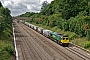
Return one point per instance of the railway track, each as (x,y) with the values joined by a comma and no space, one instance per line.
(47,43)
(49,58)
(34,46)
(18,36)
(78,52)
(67,49)
(26,47)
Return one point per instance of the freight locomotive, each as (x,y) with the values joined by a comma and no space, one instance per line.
(59,38)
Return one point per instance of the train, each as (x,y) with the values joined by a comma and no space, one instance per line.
(58,38)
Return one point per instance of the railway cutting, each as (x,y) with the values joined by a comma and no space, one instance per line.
(32,45)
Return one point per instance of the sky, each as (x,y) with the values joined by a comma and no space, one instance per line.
(18,7)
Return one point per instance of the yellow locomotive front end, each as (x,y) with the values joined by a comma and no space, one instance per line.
(65,41)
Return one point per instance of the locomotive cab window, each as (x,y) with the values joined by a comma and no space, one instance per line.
(63,38)
(66,38)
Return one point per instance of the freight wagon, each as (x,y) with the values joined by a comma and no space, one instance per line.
(59,38)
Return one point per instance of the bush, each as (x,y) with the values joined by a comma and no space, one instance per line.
(88,35)
(6,52)
(4,55)
(72,36)
(9,49)
(86,45)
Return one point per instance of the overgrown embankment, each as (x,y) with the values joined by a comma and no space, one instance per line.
(6,45)
(66,16)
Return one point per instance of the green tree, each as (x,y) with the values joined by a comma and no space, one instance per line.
(44,5)
(0,4)
(73,7)
(27,14)
(5,23)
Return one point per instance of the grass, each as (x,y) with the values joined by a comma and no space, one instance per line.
(83,42)
(80,41)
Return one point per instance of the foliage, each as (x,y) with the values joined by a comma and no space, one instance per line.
(67,15)
(27,14)
(86,45)
(44,5)
(6,52)
(0,4)
(5,23)
(72,36)
(9,49)
(6,49)
(68,8)
(4,55)
(88,35)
